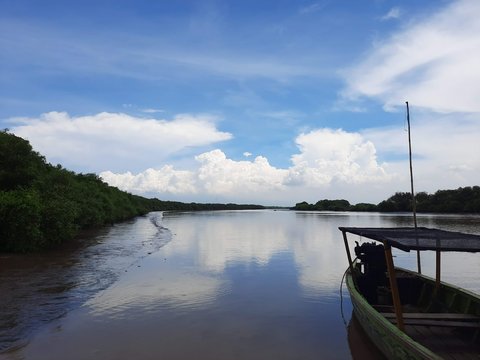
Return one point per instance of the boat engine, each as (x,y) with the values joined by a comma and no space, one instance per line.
(372,256)
(373,279)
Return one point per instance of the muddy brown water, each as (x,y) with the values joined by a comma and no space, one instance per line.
(204,285)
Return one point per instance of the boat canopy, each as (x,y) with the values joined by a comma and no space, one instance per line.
(421,238)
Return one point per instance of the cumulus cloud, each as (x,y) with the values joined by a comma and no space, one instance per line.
(220,175)
(433,62)
(326,157)
(215,175)
(330,163)
(166,179)
(115,141)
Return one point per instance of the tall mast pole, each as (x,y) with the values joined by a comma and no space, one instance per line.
(414,203)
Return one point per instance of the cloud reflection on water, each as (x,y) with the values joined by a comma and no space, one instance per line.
(260,283)
(218,240)
(191,272)
(147,291)
(223,239)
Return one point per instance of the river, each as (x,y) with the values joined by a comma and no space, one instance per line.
(205,285)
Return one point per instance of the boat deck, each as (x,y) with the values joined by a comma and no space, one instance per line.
(445,341)
(452,336)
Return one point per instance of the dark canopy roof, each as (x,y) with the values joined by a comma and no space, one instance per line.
(428,239)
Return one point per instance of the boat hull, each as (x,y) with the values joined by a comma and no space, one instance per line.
(392,342)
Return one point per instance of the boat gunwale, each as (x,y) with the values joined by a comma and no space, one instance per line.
(375,317)
(432,280)
(380,320)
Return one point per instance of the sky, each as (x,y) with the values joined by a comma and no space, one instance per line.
(265,102)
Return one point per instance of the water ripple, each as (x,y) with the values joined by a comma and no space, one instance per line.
(39,288)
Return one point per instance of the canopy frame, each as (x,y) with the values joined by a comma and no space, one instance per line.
(407,239)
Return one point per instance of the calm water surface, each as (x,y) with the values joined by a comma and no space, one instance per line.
(205,285)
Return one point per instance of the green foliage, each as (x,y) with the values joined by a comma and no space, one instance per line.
(401,201)
(179,206)
(364,207)
(334,205)
(304,206)
(20,221)
(43,205)
(19,165)
(461,200)
(58,217)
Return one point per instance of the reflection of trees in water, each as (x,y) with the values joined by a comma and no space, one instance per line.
(38,288)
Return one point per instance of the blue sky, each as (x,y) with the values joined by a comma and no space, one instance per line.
(270,102)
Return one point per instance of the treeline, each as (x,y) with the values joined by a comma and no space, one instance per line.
(334,205)
(42,205)
(461,200)
(180,206)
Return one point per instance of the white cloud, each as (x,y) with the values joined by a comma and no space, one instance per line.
(247,154)
(433,63)
(215,175)
(445,147)
(326,157)
(394,13)
(330,164)
(334,155)
(117,141)
(220,175)
(167,179)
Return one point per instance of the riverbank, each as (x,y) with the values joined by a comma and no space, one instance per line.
(38,288)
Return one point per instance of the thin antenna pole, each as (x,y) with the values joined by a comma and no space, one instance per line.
(414,203)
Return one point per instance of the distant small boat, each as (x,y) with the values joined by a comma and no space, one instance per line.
(408,315)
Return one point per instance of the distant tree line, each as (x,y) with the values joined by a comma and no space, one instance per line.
(181,206)
(334,205)
(42,205)
(461,200)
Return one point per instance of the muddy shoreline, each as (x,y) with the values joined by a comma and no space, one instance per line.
(38,288)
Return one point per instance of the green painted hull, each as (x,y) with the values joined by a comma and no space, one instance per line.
(392,342)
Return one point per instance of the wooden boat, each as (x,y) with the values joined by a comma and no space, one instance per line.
(408,315)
